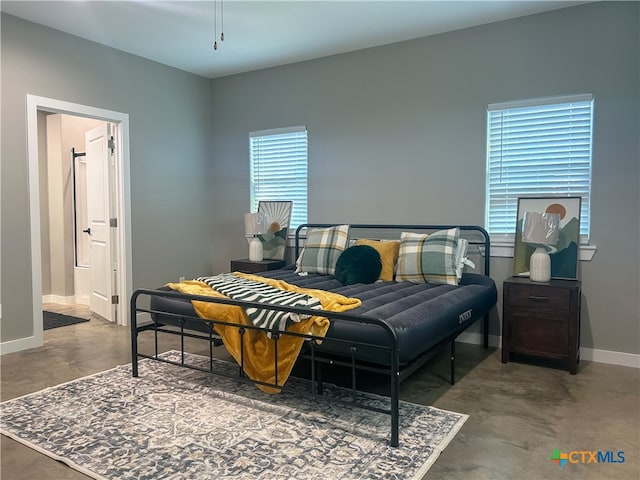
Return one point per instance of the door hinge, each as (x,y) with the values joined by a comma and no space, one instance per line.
(113,222)
(114,300)
(112,144)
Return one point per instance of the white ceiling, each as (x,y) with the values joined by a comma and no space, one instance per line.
(261,33)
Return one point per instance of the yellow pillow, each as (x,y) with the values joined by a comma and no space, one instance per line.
(388,255)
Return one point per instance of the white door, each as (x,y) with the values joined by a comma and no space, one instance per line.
(100,160)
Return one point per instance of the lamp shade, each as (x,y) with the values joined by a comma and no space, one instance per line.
(255,224)
(540,228)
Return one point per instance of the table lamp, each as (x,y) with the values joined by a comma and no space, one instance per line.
(541,231)
(255,224)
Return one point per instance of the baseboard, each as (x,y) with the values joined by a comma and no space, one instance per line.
(81,300)
(608,356)
(589,354)
(476,338)
(143,319)
(12,346)
(59,299)
(20,344)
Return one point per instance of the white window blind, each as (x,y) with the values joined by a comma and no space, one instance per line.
(537,148)
(279,169)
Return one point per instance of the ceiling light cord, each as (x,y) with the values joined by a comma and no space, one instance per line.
(215,23)
(222,20)
(215,26)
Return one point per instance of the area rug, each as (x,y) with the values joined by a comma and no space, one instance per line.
(175,423)
(54,320)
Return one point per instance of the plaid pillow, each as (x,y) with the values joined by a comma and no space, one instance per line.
(322,248)
(460,256)
(428,258)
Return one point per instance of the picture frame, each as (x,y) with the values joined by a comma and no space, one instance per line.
(564,254)
(274,243)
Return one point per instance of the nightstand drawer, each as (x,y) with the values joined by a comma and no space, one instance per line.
(539,297)
(536,334)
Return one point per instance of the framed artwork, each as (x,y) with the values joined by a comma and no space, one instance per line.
(274,242)
(564,254)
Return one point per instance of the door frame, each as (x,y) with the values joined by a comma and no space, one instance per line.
(122,190)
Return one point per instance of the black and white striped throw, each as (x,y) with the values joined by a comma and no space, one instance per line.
(238,288)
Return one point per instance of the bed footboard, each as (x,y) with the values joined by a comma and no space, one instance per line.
(175,324)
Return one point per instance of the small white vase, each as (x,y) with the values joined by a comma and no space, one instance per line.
(540,266)
(256,251)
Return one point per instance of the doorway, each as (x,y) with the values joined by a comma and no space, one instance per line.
(76,180)
(119,222)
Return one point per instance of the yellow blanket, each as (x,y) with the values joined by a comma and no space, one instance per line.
(259,351)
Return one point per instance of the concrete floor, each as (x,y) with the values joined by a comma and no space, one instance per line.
(519,412)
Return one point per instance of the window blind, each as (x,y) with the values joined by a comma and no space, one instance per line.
(537,148)
(278,162)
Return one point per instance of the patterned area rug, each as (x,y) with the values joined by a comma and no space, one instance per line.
(174,423)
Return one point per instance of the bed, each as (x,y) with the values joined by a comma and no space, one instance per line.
(401,319)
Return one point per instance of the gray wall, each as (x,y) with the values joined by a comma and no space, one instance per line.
(171,165)
(397,134)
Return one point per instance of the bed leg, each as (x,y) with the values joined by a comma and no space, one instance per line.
(313,369)
(319,378)
(181,340)
(276,337)
(453,361)
(485,332)
(155,337)
(210,347)
(395,409)
(241,366)
(316,370)
(353,373)
(134,334)
(134,349)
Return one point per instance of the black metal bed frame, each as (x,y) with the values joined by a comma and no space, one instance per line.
(174,324)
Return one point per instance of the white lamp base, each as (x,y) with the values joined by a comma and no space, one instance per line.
(540,266)
(255,249)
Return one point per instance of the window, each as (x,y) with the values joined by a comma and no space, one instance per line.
(278,161)
(537,148)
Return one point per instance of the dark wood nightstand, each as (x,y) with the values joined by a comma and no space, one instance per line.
(247,266)
(541,319)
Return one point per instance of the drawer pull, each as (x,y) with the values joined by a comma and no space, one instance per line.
(534,298)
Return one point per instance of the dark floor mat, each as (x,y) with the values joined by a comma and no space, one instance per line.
(55,320)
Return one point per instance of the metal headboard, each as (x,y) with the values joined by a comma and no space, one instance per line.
(484,243)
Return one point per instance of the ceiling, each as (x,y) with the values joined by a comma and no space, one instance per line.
(263,33)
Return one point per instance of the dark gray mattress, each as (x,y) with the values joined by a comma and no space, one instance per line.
(422,315)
